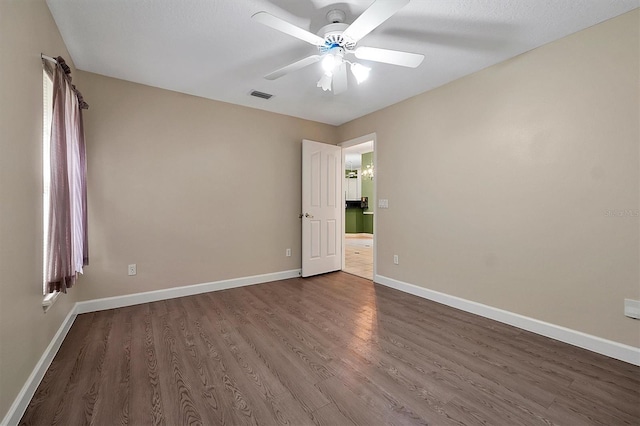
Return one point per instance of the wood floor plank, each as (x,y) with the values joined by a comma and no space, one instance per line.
(459,377)
(145,406)
(197,371)
(512,377)
(370,384)
(85,378)
(488,335)
(352,407)
(51,390)
(112,398)
(295,352)
(230,404)
(175,390)
(330,415)
(245,357)
(608,394)
(577,401)
(260,301)
(250,388)
(472,411)
(328,350)
(295,379)
(404,388)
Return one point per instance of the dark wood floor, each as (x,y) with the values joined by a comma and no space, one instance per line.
(329,350)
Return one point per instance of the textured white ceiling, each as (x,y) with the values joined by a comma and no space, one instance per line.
(212,48)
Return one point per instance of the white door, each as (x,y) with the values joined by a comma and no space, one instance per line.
(321,208)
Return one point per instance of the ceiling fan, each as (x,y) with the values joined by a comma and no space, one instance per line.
(337,40)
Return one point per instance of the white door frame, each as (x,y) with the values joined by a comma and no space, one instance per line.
(347,144)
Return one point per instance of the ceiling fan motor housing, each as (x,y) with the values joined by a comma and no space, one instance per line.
(336,16)
(332,35)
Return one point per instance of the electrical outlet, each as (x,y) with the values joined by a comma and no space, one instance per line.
(288,252)
(395,259)
(133,269)
(632,308)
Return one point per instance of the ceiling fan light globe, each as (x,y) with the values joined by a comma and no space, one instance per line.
(325,81)
(328,62)
(360,72)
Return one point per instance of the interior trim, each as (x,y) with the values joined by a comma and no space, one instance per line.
(174,292)
(596,344)
(582,340)
(20,404)
(346,144)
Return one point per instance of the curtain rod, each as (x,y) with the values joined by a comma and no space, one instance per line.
(49,58)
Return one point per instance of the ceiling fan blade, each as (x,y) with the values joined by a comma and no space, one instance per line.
(293,67)
(376,14)
(340,79)
(393,57)
(283,26)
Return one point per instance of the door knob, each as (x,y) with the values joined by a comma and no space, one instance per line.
(308,215)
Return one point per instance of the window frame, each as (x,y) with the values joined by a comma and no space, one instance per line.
(47,113)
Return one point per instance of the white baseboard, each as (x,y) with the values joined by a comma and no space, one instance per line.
(596,344)
(174,292)
(21,402)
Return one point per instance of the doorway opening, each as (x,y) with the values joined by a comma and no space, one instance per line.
(359,213)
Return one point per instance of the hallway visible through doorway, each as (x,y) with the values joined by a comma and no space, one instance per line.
(360,201)
(359,255)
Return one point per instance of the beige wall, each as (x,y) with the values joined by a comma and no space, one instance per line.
(499,183)
(26,30)
(191,190)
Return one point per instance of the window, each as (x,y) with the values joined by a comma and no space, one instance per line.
(47,109)
(64,180)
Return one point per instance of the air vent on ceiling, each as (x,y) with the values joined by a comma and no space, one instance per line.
(260,94)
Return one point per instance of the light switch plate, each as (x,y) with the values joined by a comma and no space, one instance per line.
(383,203)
